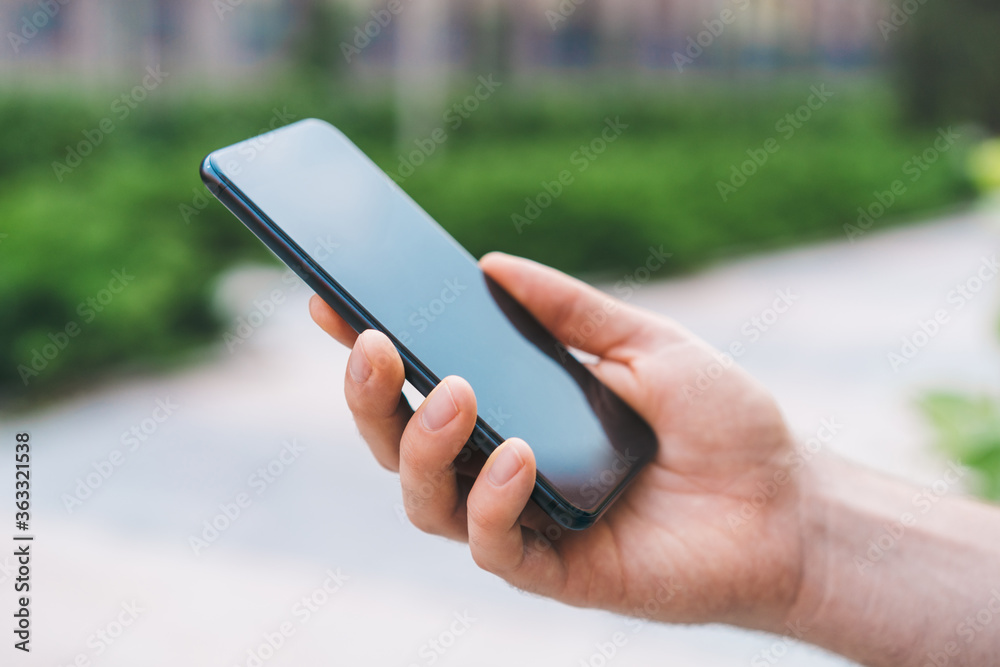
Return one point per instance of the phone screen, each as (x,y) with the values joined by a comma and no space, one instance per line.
(428,293)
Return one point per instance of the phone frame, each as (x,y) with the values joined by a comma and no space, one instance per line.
(483,436)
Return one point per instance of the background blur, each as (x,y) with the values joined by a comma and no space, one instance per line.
(840,149)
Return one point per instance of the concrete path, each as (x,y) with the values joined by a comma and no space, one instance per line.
(320,561)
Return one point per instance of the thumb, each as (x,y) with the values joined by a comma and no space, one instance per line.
(577,314)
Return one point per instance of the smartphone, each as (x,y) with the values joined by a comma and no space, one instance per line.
(381,262)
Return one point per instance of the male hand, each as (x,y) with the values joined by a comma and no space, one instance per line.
(668,548)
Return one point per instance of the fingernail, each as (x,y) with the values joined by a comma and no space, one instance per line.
(358,364)
(507,464)
(439,409)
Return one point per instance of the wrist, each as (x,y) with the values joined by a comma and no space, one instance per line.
(818,505)
(866,554)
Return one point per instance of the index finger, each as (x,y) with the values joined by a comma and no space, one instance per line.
(330,322)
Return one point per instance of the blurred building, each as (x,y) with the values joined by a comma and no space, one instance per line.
(226,40)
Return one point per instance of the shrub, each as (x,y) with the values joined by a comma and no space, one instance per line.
(136,203)
(968,429)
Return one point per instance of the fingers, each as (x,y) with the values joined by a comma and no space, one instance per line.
(434,437)
(575,313)
(423,446)
(496,538)
(373,386)
(330,322)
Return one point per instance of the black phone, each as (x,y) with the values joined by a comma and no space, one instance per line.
(380,261)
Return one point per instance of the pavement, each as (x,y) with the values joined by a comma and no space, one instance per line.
(307,557)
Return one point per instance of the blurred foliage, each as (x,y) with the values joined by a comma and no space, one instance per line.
(136,202)
(984,166)
(946,56)
(658,183)
(968,429)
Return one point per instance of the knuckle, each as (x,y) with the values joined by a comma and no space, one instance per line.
(418,518)
(421,490)
(426,519)
(387,461)
(370,402)
(415,502)
(358,400)
(482,556)
(411,455)
(482,516)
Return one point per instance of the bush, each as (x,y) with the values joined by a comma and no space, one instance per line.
(659,182)
(136,203)
(968,429)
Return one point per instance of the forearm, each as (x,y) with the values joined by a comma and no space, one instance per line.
(895,574)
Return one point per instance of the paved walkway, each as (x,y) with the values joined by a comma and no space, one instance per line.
(319,560)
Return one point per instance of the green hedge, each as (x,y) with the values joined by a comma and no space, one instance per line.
(136,202)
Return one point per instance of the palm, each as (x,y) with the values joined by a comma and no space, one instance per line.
(677,526)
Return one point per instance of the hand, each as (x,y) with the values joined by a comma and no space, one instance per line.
(684,543)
